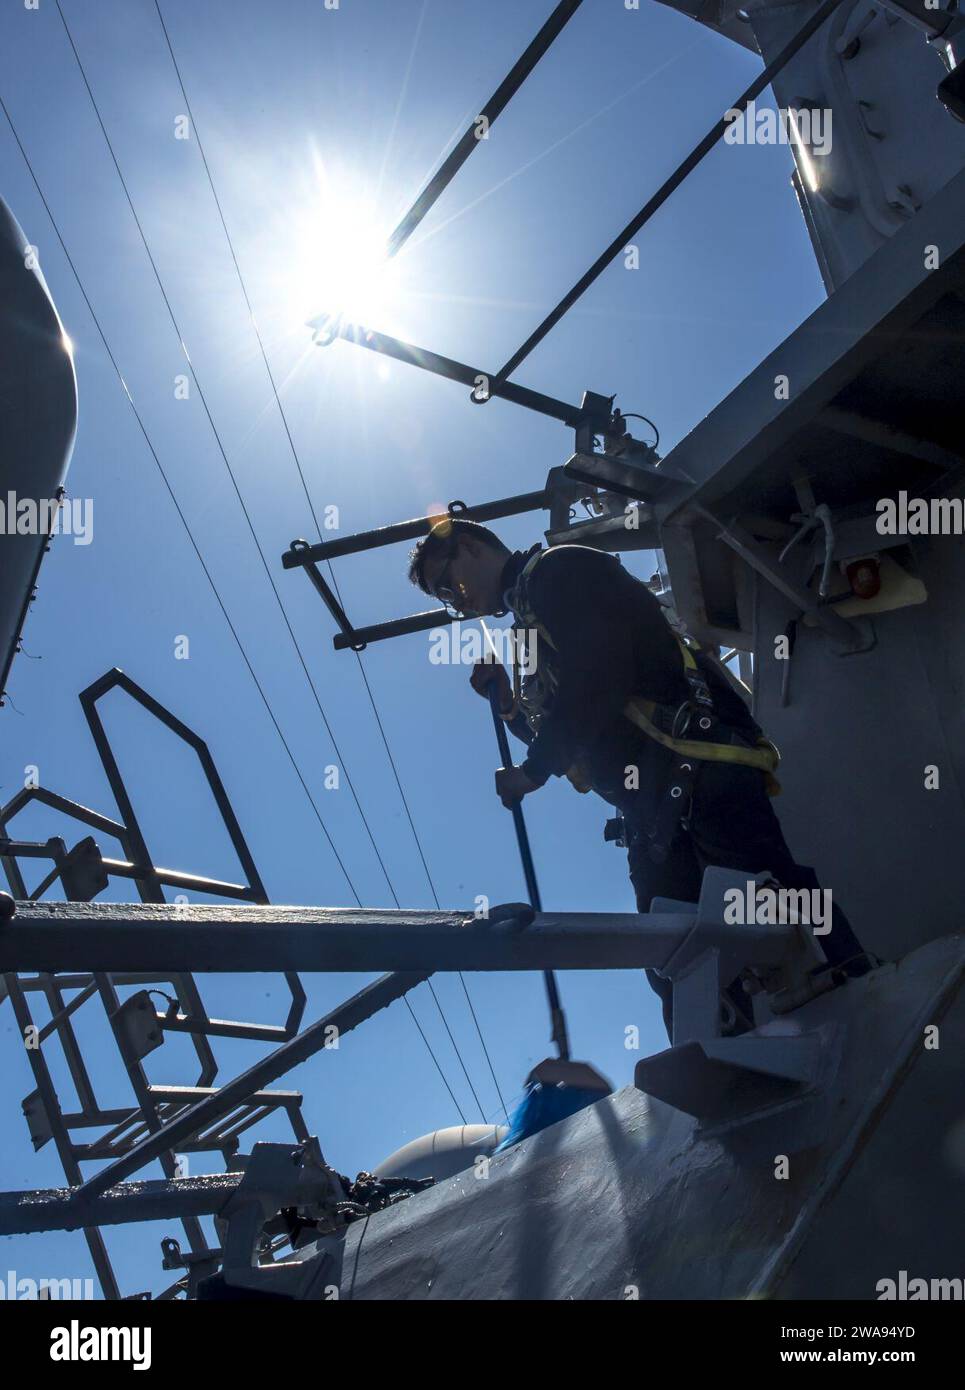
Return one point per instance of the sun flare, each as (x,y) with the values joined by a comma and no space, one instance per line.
(335,264)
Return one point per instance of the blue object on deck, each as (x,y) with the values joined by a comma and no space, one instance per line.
(554,1090)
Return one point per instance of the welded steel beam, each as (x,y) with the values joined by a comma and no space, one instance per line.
(867,319)
(302,554)
(484,383)
(60,1208)
(229,938)
(359,637)
(885,436)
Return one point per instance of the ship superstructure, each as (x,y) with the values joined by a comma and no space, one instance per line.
(810,534)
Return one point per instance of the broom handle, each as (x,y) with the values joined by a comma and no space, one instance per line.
(558,1031)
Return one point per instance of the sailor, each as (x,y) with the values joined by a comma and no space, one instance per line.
(617,703)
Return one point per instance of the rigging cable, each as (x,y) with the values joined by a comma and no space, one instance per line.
(254,536)
(221,448)
(197,551)
(164,477)
(311,507)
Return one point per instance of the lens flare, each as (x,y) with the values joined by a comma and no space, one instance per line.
(334,269)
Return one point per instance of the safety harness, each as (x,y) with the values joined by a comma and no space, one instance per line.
(693,732)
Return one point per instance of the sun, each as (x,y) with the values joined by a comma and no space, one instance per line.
(334,267)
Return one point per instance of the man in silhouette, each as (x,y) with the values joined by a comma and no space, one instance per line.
(611,700)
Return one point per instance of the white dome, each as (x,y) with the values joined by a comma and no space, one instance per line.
(442,1153)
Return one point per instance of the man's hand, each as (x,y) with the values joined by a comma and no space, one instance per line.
(512,785)
(486,674)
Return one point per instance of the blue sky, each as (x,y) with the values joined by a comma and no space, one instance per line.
(311,118)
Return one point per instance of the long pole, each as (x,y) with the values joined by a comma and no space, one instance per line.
(557,1017)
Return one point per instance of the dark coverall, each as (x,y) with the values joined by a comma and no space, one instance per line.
(610,641)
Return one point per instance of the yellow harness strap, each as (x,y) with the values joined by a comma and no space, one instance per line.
(765,756)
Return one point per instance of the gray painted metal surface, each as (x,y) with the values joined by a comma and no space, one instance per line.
(753,439)
(38,416)
(632,1197)
(865,172)
(211,938)
(857,734)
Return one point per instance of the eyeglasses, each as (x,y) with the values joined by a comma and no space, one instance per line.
(444,590)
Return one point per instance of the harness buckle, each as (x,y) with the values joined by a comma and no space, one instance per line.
(678,729)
